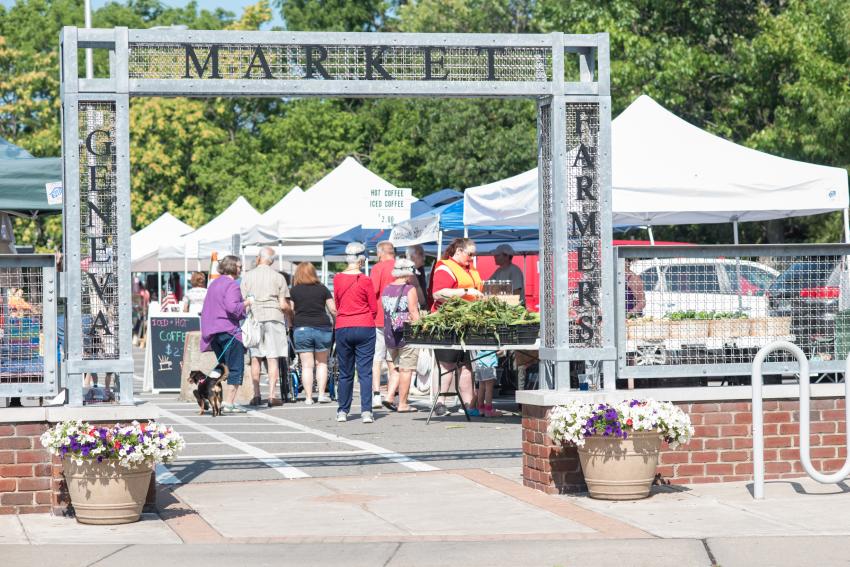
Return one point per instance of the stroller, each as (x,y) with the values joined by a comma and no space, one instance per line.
(290,374)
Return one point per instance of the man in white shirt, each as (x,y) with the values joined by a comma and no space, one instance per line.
(507,271)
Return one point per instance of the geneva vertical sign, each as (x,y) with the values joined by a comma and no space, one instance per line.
(585,237)
(99,233)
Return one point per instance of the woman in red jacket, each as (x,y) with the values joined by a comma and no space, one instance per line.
(355,332)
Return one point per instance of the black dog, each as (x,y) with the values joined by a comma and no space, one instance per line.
(208,388)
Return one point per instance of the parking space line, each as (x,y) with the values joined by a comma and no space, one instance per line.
(247,432)
(194,443)
(393,456)
(282,467)
(292,454)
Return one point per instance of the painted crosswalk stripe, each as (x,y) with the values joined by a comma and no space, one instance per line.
(286,470)
(398,458)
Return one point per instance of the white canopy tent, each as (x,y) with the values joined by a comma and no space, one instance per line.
(216,235)
(336,203)
(145,243)
(667,171)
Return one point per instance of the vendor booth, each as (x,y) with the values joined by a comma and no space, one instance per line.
(667,171)
(145,243)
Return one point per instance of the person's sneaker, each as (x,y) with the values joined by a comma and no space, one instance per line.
(473,412)
(376,400)
(233,409)
(309,401)
(366,416)
(441,410)
(324,399)
(341,416)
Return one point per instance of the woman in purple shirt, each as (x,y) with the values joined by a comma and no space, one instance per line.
(223,311)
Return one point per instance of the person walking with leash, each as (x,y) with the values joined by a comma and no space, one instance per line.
(223,311)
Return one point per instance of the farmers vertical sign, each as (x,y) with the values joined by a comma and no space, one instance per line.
(585,241)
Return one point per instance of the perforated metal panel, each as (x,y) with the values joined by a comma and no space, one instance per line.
(585,225)
(343,62)
(99,230)
(547,232)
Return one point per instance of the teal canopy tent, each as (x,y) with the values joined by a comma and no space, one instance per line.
(23,179)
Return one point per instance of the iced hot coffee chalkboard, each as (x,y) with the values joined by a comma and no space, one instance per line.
(168,337)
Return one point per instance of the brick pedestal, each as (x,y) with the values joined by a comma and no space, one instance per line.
(720,450)
(31,479)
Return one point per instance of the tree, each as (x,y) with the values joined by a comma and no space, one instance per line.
(334,15)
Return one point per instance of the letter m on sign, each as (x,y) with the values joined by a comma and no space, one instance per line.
(193,61)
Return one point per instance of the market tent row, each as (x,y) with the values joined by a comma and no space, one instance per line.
(191,250)
(666,171)
(145,243)
(334,248)
(442,224)
(336,203)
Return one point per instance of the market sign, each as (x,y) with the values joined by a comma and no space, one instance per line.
(388,206)
(295,62)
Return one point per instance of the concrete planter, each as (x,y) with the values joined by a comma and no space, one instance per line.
(620,469)
(103,494)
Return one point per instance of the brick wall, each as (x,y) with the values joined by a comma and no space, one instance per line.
(25,470)
(720,451)
(31,479)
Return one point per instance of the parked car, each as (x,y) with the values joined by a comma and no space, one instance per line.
(704,284)
(809,292)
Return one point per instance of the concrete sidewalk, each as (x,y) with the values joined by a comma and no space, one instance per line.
(468,517)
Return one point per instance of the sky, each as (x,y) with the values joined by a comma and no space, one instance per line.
(235,6)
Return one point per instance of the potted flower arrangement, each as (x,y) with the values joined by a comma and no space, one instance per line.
(618,443)
(108,469)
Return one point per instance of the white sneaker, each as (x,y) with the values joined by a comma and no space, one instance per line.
(324,399)
(309,401)
(341,416)
(376,400)
(366,416)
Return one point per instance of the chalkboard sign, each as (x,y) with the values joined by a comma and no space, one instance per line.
(167,339)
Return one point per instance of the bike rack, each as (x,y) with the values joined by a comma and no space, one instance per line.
(805,422)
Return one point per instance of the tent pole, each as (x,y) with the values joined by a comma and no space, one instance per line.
(651,236)
(439,244)
(737,266)
(324,270)
(159,281)
(185,273)
(367,263)
(846,225)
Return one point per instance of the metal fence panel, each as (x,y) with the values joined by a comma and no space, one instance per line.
(28,350)
(706,310)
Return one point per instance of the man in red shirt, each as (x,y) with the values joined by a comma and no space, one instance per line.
(382,276)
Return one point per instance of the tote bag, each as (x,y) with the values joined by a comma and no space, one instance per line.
(252,331)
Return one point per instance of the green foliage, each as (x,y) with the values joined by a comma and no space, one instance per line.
(704,315)
(771,74)
(459,318)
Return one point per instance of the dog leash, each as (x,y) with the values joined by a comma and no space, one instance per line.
(227,346)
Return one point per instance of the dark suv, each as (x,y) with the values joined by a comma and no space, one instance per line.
(808,291)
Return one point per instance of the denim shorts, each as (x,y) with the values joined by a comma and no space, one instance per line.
(313,339)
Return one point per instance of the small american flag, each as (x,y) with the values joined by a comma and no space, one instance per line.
(169,302)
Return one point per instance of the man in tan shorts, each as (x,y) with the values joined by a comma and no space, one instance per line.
(272,310)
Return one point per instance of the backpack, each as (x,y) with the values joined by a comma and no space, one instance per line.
(394,335)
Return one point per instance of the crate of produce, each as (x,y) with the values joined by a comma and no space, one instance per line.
(729,328)
(647,329)
(527,333)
